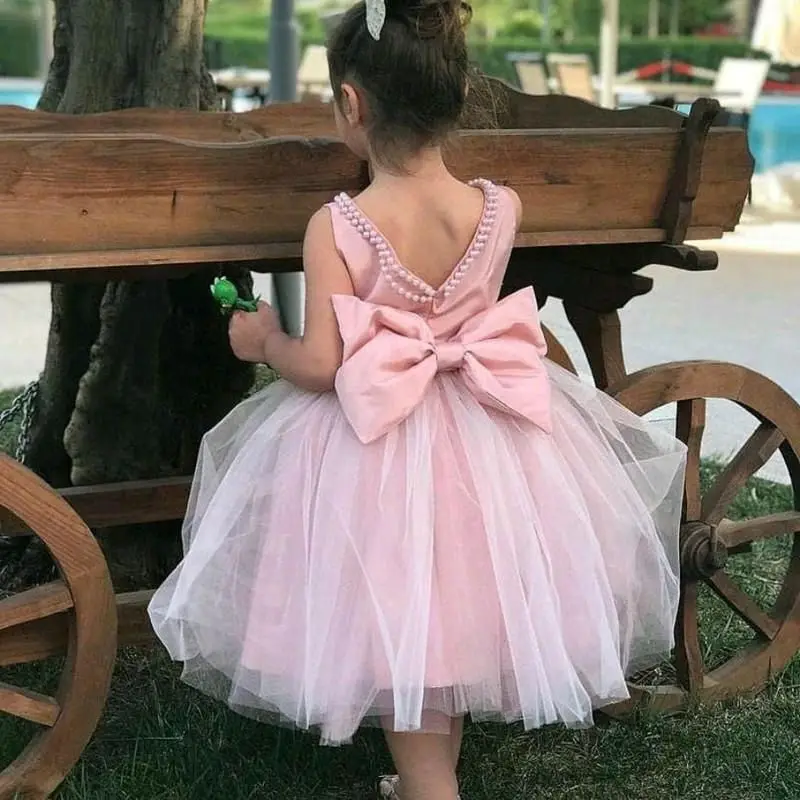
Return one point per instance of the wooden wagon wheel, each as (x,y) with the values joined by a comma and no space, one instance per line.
(556,351)
(80,608)
(713,547)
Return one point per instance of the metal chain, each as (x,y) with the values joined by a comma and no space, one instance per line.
(24,406)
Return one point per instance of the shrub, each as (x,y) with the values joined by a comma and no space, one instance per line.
(492,56)
(19,46)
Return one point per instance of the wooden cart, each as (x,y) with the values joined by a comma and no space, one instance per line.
(158,193)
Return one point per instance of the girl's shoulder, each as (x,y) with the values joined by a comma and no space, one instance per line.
(516,203)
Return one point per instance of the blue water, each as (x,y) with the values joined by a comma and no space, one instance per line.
(13,97)
(20,91)
(775,133)
(774,127)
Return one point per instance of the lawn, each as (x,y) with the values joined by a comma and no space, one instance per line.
(9,434)
(163,741)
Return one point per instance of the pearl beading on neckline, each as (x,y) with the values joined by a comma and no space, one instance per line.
(395,274)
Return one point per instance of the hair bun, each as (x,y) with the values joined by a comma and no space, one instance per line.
(433,19)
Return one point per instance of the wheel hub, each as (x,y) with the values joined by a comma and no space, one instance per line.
(702,553)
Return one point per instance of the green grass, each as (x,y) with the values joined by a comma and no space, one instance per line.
(160,740)
(8,435)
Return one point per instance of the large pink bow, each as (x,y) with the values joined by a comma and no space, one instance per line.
(391,357)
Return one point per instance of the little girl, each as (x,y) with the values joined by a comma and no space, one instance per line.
(424,519)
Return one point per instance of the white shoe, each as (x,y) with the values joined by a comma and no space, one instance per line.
(387,787)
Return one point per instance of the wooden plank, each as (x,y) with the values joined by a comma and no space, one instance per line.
(35,640)
(131,502)
(131,192)
(150,264)
(497,105)
(273,258)
(36,603)
(105,194)
(25,704)
(135,629)
(114,504)
(280,119)
(44,638)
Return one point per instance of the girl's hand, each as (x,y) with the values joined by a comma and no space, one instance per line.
(310,361)
(248,332)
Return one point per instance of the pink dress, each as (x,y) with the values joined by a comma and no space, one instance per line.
(461,528)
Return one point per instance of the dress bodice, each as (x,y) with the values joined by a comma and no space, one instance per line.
(472,286)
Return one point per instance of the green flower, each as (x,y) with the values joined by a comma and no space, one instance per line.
(225,293)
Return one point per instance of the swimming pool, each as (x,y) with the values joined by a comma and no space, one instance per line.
(775,132)
(19,92)
(774,127)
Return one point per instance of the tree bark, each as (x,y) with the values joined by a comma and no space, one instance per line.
(135,371)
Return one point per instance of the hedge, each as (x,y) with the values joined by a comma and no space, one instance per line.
(19,46)
(246,46)
(492,57)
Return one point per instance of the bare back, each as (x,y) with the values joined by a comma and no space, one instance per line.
(431,226)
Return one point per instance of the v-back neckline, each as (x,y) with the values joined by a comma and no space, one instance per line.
(392,266)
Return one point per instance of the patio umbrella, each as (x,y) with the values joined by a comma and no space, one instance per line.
(777,31)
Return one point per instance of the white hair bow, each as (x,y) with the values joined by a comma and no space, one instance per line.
(376,16)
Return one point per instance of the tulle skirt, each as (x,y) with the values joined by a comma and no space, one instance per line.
(465,564)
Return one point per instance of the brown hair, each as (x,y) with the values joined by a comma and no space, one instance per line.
(414,79)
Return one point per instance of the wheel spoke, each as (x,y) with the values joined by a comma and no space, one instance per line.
(37,603)
(756,451)
(688,658)
(29,705)
(743,605)
(735,534)
(689,427)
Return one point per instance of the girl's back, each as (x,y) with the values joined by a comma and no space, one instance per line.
(429,223)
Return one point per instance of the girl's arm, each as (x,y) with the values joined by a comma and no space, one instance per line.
(311,361)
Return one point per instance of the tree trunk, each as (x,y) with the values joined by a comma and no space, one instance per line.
(675,19)
(653,18)
(135,371)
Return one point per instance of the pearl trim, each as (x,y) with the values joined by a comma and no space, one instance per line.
(405,283)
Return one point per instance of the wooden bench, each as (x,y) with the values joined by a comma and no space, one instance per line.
(116,192)
(152,194)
